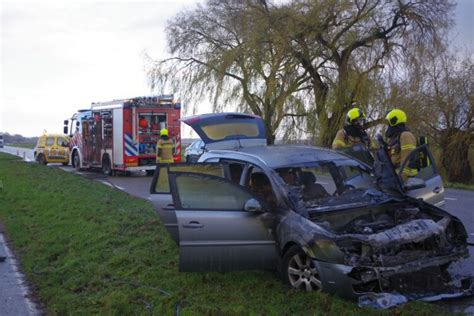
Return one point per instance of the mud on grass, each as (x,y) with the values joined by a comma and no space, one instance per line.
(89,249)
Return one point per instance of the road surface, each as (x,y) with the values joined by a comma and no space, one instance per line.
(458,202)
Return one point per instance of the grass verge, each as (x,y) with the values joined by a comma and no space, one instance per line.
(89,249)
(461,186)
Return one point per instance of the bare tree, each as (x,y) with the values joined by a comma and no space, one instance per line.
(300,63)
(226,50)
(438,94)
(344,45)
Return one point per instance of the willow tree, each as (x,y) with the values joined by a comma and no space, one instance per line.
(226,50)
(343,45)
(437,92)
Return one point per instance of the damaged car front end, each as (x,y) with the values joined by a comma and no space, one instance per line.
(366,242)
(394,248)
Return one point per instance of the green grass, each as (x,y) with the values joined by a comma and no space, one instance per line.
(89,249)
(461,186)
(30,146)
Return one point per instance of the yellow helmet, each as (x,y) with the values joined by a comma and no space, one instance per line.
(395,117)
(164,132)
(354,114)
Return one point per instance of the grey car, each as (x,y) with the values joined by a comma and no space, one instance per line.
(322,219)
(194,151)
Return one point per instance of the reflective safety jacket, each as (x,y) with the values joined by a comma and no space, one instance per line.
(164,151)
(342,140)
(400,148)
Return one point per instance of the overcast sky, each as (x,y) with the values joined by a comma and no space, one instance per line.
(57,57)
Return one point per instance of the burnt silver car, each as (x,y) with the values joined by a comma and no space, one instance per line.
(323,219)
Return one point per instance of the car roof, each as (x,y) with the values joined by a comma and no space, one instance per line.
(275,156)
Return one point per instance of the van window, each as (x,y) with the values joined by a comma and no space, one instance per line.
(50,141)
(61,141)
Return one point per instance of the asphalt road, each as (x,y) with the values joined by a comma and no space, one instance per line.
(458,202)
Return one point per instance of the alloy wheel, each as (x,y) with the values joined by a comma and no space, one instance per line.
(302,273)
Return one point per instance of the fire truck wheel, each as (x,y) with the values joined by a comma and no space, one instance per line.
(41,160)
(150,173)
(76,161)
(106,166)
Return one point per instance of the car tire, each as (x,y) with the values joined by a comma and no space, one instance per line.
(106,166)
(42,160)
(76,161)
(299,271)
(65,163)
(150,173)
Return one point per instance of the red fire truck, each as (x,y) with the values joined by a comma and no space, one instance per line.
(121,135)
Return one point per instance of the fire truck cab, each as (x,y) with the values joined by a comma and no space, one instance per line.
(121,135)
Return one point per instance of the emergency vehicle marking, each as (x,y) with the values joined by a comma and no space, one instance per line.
(130,148)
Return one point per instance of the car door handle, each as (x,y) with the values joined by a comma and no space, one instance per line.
(193,224)
(437,190)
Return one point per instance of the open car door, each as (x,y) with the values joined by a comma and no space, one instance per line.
(222,226)
(427,184)
(160,193)
(228,130)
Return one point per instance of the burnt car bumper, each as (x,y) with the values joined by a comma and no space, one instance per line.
(419,280)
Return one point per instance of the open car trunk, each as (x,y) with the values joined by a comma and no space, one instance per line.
(228,130)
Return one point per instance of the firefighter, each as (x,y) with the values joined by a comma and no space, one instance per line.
(164,148)
(401,142)
(353,131)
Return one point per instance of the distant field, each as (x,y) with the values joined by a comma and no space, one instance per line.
(30,146)
(89,249)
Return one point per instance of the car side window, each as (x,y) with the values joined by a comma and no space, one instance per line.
(194,192)
(160,183)
(259,184)
(50,141)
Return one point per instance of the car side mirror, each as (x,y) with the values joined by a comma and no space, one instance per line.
(65,129)
(414,184)
(253,206)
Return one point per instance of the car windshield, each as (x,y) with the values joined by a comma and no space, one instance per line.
(327,184)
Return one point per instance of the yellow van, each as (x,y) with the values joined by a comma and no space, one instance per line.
(52,148)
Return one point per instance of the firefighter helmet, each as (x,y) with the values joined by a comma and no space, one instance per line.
(354,114)
(395,117)
(164,132)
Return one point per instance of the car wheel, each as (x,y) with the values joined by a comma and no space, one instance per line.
(106,166)
(150,173)
(65,163)
(42,160)
(299,271)
(76,161)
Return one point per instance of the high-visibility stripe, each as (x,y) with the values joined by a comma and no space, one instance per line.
(410,172)
(165,146)
(131,149)
(340,142)
(409,146)
(158,159)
